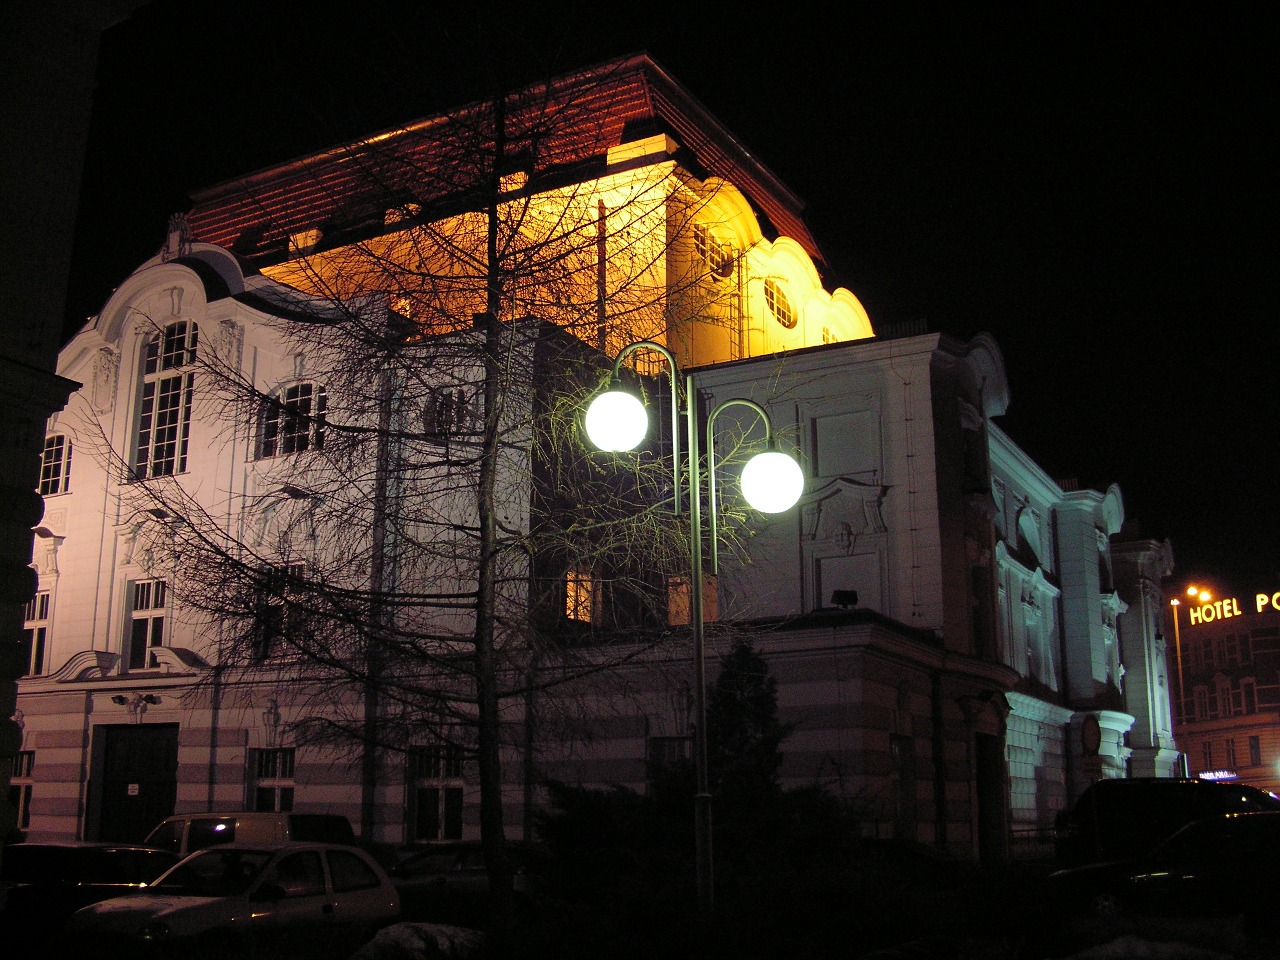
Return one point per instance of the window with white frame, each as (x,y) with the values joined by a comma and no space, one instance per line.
(147,600)
(55,465)
(21,783)
(449,413)
(436,791)
(271,775)
(164,416)
(293,420)
(36,635)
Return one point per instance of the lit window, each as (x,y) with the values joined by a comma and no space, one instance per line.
(436,781)
(293,421)
(776,300)
(680,601)
(146,620)
(55,466)
(272,779)
(579,596)
(716,255)
(36,637)
(164,418)
(21,783)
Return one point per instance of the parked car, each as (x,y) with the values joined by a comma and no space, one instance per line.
(45,883)
(447,882)
(1121,818)
(185,833)
(1216,866)
(311,898)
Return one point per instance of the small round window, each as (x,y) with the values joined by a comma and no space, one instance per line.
(715,254)
(776,299)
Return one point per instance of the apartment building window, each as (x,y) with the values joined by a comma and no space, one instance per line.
(272,779)
(55,466)
(21,783)
(293,420)
(581,596)
(1200,697)
(36,635)
(164,418)
(1206,754)
(436,785)
(146,620)
(281,621)
(680,600)
(1231,754)
(1255,751)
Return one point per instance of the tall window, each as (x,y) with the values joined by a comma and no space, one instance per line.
(146,620)
(1206,754)
(435,804)
(293,421)
(36,639)
(20,783)
(55,465)
(1255,751)
(580,596)
(164,419)
(281,622)
(273,785)
(1231,754)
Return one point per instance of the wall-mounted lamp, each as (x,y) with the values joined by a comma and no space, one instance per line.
(120,699)
(137,703)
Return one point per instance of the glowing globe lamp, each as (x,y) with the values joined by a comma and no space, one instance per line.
(616,420)
(772,482)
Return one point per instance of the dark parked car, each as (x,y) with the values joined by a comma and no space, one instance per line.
(447,882)
(1217,866)
(312,899)
(45,883)
(1120,818)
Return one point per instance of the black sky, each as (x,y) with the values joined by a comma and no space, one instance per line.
(1093,184)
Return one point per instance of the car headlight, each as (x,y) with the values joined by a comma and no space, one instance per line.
(154,931)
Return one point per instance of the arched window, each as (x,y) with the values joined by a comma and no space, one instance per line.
(164,418)
(55,465)
(293,420)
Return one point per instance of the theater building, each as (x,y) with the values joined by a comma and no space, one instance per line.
(1004,648)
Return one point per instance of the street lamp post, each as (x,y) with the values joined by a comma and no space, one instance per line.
(1175,603)
(771,482)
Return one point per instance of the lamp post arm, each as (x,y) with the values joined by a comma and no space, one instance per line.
(672,371)
(713,508)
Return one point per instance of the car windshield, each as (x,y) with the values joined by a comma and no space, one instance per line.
(214,873)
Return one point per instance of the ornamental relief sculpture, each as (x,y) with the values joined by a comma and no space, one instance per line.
(843,510)
(106,369)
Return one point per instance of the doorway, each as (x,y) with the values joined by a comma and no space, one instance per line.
(133,780)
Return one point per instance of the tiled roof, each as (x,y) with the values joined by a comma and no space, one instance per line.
(567,125)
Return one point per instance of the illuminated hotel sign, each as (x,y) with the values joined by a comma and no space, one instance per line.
(1230,607)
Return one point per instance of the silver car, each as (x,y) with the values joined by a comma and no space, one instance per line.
(305,897)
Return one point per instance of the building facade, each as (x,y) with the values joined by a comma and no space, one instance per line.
(1004,647)
(1224,659)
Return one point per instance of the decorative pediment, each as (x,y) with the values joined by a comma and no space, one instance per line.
(843,509)
(87,665)
(178,660)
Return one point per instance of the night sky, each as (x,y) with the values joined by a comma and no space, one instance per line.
(1091,183)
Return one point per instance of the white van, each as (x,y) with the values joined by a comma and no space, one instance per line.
(185,833)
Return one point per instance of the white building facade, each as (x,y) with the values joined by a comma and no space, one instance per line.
(1001,618)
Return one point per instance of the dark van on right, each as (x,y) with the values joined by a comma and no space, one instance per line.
(1122,818)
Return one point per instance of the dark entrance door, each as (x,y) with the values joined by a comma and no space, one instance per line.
(134,781)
